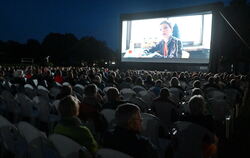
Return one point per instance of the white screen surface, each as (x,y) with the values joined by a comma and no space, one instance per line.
(192,33)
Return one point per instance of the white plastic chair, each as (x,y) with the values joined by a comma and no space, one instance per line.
(11,139)
(29,132)
(109,114)
(127,93)
(54,91)
(163,110)
(67,147)
(28,86)
(232,95)
(184,85)
(27,106)
(214,93)
(58,84)
(188,139)
(66,84)
(35,81)
(138,88)
(11,105)
(176,92)
(147,97)
(110,153)
(43,91)
(105,90)
(79,89)
(38,144)
(150,127)
(138,101)
(29,91)
(219,108)
(43,105)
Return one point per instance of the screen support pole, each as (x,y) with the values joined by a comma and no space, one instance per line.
(235,31)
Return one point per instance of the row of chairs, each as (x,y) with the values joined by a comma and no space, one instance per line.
(21,107)
(25,141)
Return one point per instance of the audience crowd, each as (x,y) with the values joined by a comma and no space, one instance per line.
(140,113)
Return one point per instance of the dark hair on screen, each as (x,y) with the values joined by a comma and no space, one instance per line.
(167,23)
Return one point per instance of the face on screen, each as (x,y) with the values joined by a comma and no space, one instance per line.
(165,30)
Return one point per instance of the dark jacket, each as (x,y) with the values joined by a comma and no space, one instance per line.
(129,142)
(113,104)
(205,121)
(174,48)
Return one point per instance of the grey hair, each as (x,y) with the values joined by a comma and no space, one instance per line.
(197,105)
(124,113)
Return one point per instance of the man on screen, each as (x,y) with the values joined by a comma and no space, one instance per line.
(169,46)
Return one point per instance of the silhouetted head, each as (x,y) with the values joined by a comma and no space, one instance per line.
(69,106)
(128,116)
(197,105)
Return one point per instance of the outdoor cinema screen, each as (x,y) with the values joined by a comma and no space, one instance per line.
(175,39)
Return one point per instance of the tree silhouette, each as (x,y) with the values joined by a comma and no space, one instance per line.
(58,46)
(33,49)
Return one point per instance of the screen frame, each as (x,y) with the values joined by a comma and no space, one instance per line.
(196,10)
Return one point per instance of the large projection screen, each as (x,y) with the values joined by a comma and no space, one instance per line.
(173,39)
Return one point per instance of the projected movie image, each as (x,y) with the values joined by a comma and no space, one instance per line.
(180,39)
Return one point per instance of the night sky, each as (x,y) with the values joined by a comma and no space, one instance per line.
(24,19)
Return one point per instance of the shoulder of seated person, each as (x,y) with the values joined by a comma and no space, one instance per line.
(175,38)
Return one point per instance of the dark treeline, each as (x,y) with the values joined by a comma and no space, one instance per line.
(62,49)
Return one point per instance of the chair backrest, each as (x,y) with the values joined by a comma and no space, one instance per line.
(31,93)
(138,88)
(37,142)
(67,147)
(219,108)
(26,104)
(4,122)
(78,96)
(110,153)
(43,105)
(11,138)
(54,91)
(184,85)
(28,86)
(147,97)
(150,127)
(105,90)
(127,93)
(232,95)
(66,84)
(58,84)
(43,91)
(109,114)
(29,132)
(79,89)
(188,139)
(41,147)
(138,101)
(214,93)
(12,105)
(35,81)
(177,92)
(163,110)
